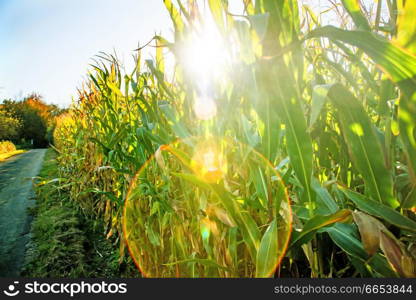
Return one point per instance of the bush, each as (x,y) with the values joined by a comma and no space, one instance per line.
(6,147)
(9,125)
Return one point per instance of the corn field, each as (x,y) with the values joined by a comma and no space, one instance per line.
(270,145)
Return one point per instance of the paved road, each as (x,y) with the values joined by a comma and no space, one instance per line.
(16,195)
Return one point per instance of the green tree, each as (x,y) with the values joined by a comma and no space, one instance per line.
(37,118)
(9,126)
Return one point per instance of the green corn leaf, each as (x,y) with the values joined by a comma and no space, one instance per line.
(299,145)
(396,62)
(311,13)
(365,149)
(316,223)
(278,82)
(346,237)
(261,186)
(159,75)
(178,127)
(324,199)
(400,66)
(354,10)
(152,235)
(248,226)
(250,231)
(160,60)
(114,88)
(379,210)
(406,26)
(259,24)
(319,95)
(406,38)
(251,136)
(268,254)
(232,244)
(176,18)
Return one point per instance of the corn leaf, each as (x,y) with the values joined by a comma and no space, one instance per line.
(316,223)
(354,10)
(363,143)
(379,210)
(400,66)
(346,237)
(406,26)
(176,18)
(267,256)
(319,95)
(324,200)
(392,252)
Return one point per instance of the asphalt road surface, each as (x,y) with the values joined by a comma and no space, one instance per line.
(16,195)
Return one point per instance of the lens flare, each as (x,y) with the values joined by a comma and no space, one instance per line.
(208,162)
(218,209)
(205,53)
(205,108)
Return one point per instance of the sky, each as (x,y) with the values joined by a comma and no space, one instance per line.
(46,46)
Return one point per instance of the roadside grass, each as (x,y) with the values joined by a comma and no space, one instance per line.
(5,156)
(64,242)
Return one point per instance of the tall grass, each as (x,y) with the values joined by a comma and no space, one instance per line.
(279,144)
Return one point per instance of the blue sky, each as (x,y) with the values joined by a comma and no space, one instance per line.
(46,45)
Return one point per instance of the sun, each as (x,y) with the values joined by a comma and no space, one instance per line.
(206,58)
(206,54)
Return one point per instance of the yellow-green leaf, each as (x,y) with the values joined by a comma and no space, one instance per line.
(379,210)
(268,254)
(406,25)
(364,146)
(354,10)
(316,223)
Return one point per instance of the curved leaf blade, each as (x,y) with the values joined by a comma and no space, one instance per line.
(365,148)
(267,256)
(354,10)
(317,223)
(379,210)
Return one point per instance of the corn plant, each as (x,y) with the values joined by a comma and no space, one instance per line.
(273,143)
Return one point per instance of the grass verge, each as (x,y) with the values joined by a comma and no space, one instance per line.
(66,243)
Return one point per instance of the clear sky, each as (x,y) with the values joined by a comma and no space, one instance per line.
(46,45)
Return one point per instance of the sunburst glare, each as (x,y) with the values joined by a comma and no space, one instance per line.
(205,108)
(205,54)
